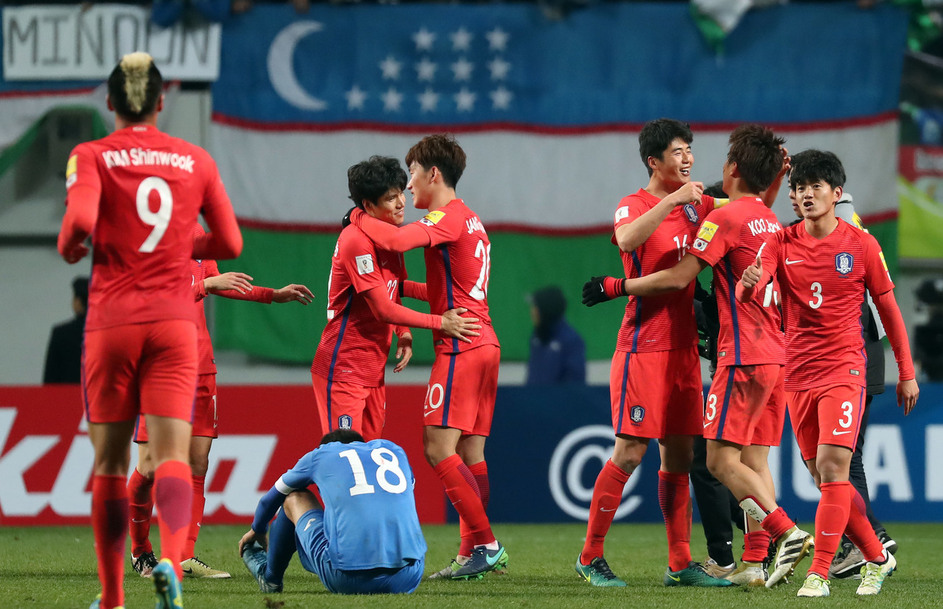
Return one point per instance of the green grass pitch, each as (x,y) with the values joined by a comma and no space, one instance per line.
(51,568)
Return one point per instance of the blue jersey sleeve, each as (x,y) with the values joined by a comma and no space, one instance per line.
(300,476)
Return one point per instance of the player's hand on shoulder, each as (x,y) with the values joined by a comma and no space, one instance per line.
(233,280)
(602,288)
(456,326)
(293,292)
(907,394)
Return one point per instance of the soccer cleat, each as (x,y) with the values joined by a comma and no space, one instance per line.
(873,575)
(447,572)
(194,567)
(814,585)
(96,604)
(889,544)
(793,547)
(144,564)
(482,560)
(598,573)
(693,575)
(256,561)
(748,574)
(167,586)
(715,570)
(847,562)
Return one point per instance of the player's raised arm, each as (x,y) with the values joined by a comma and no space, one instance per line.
(633,234)
(389,237)
(746,287)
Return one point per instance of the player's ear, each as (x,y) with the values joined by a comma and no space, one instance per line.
(838,192)
(160,102)
(111,108)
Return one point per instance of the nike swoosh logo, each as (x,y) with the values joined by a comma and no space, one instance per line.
(835,432)
(187,570)
(708,424)
(602,289)
(788,261)
(492,560)
(828,534)
(673,578)
(426,414)
(602,509)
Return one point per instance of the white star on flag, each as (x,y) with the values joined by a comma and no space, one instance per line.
(464,100)
(355,98)
(392,99)
(425,69)
(390,68)
(423,39)
(428,100)
(501,98)
(462,69)
(461,40)
(499,68)
(497,39)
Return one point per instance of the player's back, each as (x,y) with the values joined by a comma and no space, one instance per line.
(152,187)
(458,268)
(370,515)
(728,240)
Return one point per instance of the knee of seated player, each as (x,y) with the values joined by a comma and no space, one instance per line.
(298,502)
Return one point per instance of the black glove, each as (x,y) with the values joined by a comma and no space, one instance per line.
(600,289)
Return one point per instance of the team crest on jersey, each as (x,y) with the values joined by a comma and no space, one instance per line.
(432,218)
(636,414)
(844,263)
(691,212)
(364,264)
(345,422)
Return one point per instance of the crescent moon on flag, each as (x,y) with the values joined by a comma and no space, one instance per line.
(281,70)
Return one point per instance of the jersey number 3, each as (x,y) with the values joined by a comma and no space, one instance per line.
(388,469)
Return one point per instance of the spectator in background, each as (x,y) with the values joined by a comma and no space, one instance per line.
(557,351)
(64,353)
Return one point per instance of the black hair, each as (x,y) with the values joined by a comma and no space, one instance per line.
(440,150)
(551,305)
(344,436)
(371,179)
(758,153)
(812,165)
(134,87)
(80,290)
(657,135)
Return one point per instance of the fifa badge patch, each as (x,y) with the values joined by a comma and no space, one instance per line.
(345,422)
(844,263)
(364,264)
(704,235)
(432,218)
(70,170)
(621,214)
(691,212)
(636,414)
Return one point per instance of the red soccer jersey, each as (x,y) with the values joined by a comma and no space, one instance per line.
(665,322)
(458,266)
(354,344)
(150,188)
(728,240)
(200,270)
(823,284)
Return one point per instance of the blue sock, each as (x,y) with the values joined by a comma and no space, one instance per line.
(281,547)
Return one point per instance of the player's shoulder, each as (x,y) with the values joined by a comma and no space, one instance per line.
(640,197)
(353,237)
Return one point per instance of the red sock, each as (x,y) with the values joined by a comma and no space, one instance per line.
(462,491)
(831,517)
(141,506)
(196,516)
(756,546)
(860,532)
(675,501)
(109,515)
(607,495)
(480,472)
(173,494)
(777,522)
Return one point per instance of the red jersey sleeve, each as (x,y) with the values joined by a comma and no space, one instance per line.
(359,259)
(876,275)
(224,239)
(441,227)
(82,199)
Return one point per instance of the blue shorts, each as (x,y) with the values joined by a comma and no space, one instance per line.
(312,551)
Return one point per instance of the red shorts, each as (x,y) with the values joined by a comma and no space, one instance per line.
(656,394)
(350,406)
(461,390)
(826,415)
(204,411)
(134,369)
(746,405)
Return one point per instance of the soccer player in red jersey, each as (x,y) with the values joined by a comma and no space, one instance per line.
(655,379)
(459,403)
(823,266)
(138,193)
(364,308)
(206,279)
(746,406)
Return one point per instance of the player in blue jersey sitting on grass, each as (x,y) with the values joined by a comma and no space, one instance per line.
(360,536)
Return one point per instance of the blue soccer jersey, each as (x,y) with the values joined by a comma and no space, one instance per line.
(370,516)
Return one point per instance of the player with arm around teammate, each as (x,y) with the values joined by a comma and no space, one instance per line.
(364,307)
(138,193)
(823,267)
(360,534)
(459,403)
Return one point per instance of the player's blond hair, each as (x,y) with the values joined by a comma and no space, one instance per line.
(135,86)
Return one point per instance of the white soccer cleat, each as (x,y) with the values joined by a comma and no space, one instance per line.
(873,575)
(792,548)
